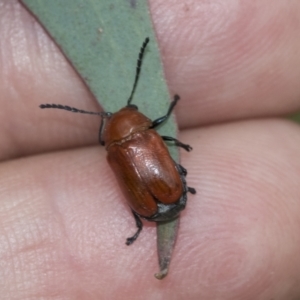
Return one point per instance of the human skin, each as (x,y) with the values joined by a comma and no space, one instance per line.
(64,221)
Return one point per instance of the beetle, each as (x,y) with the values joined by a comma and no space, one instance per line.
(152,182)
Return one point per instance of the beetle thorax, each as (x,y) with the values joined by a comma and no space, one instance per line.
(124,123)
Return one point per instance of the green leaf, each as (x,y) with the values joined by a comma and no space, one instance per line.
(295,117)
(166,238)
(102,40)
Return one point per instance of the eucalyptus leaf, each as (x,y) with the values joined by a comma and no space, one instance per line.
(102,40)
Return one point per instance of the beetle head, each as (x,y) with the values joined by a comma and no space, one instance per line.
(123,123)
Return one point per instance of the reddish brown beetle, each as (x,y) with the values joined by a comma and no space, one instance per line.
(152,182)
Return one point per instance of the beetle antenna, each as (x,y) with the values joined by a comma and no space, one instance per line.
(138,69)
(72,109)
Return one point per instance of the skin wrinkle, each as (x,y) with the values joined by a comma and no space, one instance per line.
(267,205)
(248,39)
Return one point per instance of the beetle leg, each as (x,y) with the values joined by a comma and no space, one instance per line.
(102,127)
(101,132)
(191,190)
(139,225)
(160,120)
(186,147)
(181,170)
